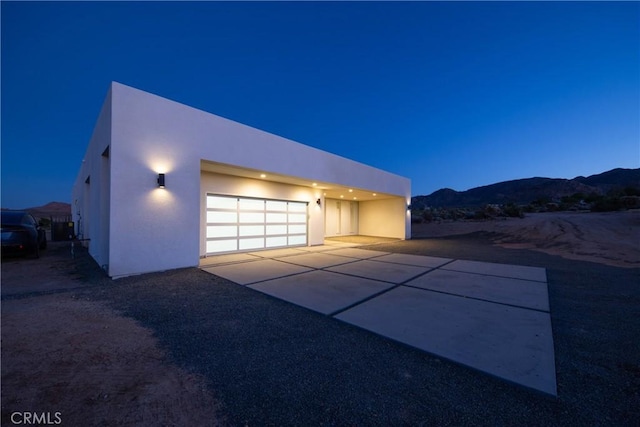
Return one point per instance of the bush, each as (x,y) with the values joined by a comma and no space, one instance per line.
(513,211)
(607,204)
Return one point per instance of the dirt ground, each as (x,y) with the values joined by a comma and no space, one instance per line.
(80,362)
(89,365)
(611,238)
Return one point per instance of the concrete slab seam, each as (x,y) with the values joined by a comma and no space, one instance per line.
(215,264)
(274,278)
(370,297)
(278,277)
(276,257)
(355,275)
(492,275)
(352,257)
(476,298)
(424,273)
(349,261)
(221,264)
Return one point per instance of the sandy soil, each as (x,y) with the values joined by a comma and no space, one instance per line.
(84,361)
(611,238)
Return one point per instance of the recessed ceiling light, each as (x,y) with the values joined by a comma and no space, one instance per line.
(314,184)
(374,194)
(350,191)
(263,175)
(341,196)
(355,198)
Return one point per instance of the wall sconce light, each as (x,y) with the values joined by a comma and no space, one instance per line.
(161,180)
(318,202)
(409,207)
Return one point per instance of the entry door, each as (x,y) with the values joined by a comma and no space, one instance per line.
(241,224)
(341,217)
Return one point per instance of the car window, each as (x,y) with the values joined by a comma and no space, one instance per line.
(29,220)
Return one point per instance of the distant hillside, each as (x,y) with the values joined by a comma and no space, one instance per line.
(51,209)
(524,191)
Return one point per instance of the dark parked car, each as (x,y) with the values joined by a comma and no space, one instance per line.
(21,234)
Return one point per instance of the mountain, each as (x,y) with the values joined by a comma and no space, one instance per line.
(524,191)
(51,209)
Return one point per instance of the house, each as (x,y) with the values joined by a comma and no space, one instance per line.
(162,185)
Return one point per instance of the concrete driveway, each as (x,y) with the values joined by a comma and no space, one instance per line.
(491,317)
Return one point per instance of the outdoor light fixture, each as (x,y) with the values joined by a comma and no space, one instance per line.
(318,202)
(161,180)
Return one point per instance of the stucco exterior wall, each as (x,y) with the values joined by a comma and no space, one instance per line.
(90,201)
(153,229)
(385,218)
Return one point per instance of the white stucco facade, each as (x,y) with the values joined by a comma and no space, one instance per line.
(132,226)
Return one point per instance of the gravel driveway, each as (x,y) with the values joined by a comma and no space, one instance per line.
(272,363)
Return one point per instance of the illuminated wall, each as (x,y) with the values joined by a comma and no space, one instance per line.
(136,227)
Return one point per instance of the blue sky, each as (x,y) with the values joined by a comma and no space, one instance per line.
(449,94)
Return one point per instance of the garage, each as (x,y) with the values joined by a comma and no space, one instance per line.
(242,223)
(180,184)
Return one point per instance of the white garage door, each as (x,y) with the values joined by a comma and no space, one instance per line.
(240,224)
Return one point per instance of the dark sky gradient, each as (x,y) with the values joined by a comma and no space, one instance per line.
(453,94)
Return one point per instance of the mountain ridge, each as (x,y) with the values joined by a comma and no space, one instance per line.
(526,190)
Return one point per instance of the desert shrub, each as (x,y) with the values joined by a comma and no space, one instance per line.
(513,211)
(542,201)
(481,214)
(607,204)
(631,191)
(45,222)
(592,197)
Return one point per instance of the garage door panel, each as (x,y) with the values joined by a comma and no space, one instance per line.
(276,205)
(219,202)
(222,217)
(298,217)
(246,217)
(251,204)
(278,241)
(238,224)
(297,240)
(276,218)
(214,246)
(276,229)
(214,231)
(298,229)
(298,207)
(246,244)
(251,230)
